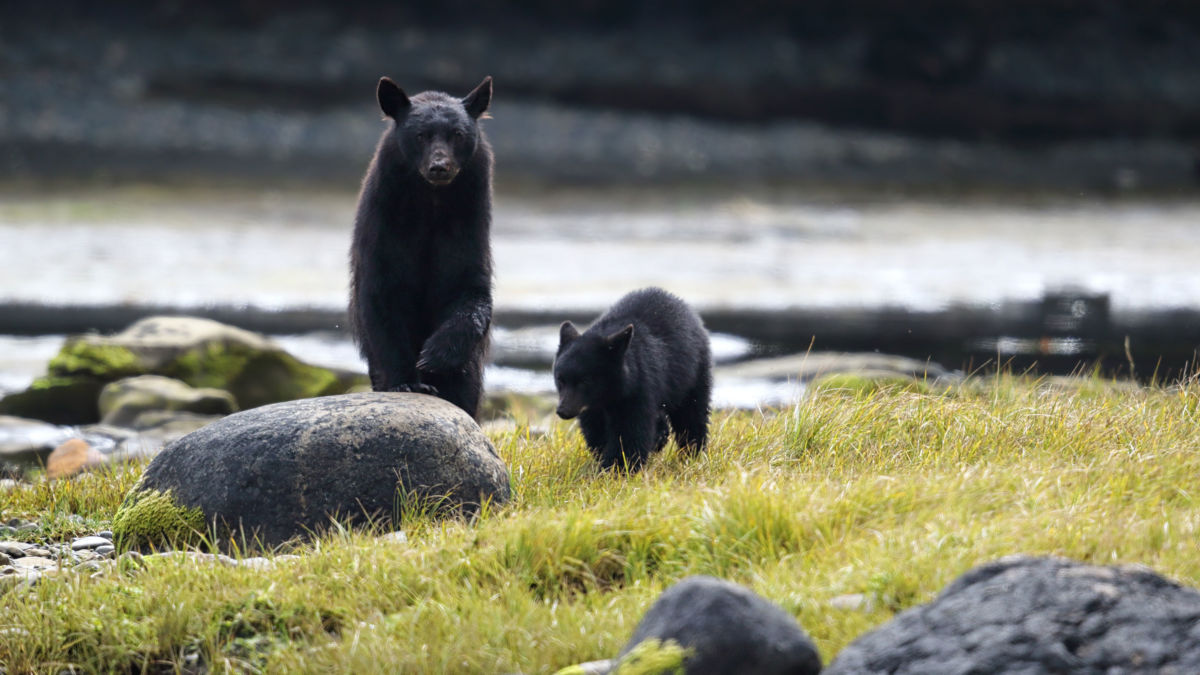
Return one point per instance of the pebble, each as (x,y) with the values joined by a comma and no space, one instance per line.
(31,562)
(852,602)
(8,483)
(14,549)
(38,552)
(84,543)
(105,550)
(107,534)
(397,537)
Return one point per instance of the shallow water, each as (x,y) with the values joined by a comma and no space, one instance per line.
(580,250)
(24,358)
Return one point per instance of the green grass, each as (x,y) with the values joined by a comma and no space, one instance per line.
(889,492)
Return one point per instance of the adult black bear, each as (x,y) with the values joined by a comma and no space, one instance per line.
(643,364)
(421,260)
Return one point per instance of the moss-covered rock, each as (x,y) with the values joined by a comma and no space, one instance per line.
(78,357)
(201,353)
(153,518)
(57,399)
(123,401)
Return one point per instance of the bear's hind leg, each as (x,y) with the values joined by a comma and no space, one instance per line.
(690,419)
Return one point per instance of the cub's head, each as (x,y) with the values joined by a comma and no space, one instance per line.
(435,131)
(588,368)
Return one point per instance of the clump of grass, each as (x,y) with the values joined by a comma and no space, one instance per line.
(887,492)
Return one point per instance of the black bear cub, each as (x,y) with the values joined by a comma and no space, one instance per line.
(421,261)
(642,365)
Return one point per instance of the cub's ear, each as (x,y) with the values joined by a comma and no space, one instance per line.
(619,341)
(567,333)
(479,99)
(392,99)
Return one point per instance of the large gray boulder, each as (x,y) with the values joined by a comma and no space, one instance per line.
(1039,615)
(289,470)
(729,630)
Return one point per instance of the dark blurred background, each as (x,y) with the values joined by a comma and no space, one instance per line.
(1099,95)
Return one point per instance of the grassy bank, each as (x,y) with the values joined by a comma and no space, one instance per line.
(888,493)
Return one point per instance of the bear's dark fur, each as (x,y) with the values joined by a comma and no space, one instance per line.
(421,261)
(642,365)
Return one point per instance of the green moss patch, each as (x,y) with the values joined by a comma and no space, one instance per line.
(151,518)
(104,362)
(57,399)
(254,377)
(653,657)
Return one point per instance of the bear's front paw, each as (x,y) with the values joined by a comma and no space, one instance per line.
(416,388)
(438,361)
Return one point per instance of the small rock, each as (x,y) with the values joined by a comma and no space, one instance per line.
(8,484)
(107,534)
(4,559)
(38,552)
(89,542)
(121,402)
(72,457)
(729,630)
(11,576)
(852,602)
(31,562)
(194,556)
(397,537)
(27,527)
(105,549)
(89,566)
(602,667)
(14,549)
(86,555)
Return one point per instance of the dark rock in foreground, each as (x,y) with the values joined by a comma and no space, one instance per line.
(291,469)
(1039,615)
(728,629)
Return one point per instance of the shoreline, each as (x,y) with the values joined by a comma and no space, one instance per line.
(1059,334)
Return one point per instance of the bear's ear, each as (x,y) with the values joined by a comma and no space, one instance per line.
(479,99)
(619,340)
(392,99)
(567,333)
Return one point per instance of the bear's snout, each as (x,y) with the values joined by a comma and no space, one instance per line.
(439,167)
(440,172)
